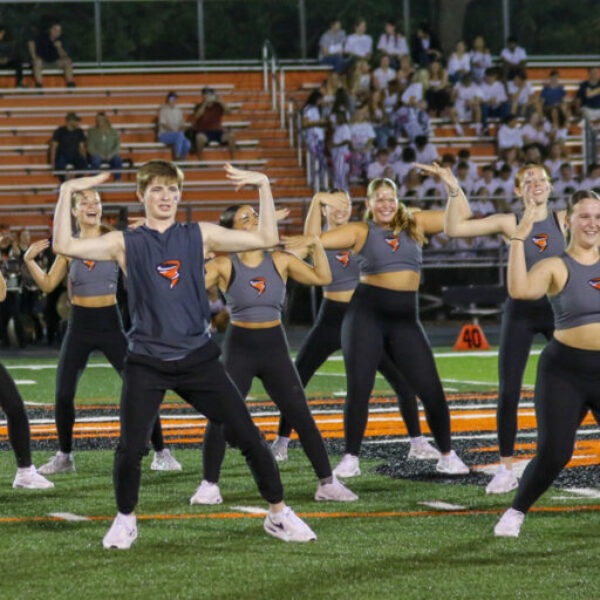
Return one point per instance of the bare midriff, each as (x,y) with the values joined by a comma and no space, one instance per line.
(399,281)
(344,296)
(259,325)
(94,301)
(584,337)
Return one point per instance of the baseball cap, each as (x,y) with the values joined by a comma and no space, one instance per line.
(72,117)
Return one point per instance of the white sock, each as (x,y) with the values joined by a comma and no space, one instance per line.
(283,440)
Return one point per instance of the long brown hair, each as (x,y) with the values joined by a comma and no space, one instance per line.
(404,218)
(575,199)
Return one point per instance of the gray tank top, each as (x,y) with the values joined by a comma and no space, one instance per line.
(385,252)
(344,271)
(93,277)
(255,294)
(545,240)
(578,303)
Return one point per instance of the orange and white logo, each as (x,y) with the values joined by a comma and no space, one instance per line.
(595,283)
(541,241)
(170,270)
(393,241)
(343,257)
(90,264)
(259,284)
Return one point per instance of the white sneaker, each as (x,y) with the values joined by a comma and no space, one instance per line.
(459,129)
(207,493)
(288,527)
(347,467)
(165,461)
(421,449)
(509,524)
(279,449)
(122,532)
(335,491)
(451,464)
(504,481)
(59,463)
(30,479)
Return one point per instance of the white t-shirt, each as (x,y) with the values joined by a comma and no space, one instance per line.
(525,93)
(342,134)
(312,115)
(589,184)
(376,170)
(554,167)
(394,45)
(481,183)
(480,60)
(401,168)
(508,187)
(535,135)
(559,186)
(482,208)
(494,92)
(359,45)
(457,63)
(513,57)
(414,90)
(428,154)
(361,134)
(384,77)
(509,137)
(466,93)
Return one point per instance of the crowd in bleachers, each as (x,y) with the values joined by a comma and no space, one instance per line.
(377,112)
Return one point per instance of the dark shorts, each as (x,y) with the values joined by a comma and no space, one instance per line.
(215,135)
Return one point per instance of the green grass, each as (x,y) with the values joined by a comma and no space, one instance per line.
(398,557)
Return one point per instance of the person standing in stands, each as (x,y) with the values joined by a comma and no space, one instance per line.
(67,146)
(47,50)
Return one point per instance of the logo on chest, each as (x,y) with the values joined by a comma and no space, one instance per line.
(393,241)
(343,257)
(169,269)
(541,241)
(259,284)
(90,264)
(595,283)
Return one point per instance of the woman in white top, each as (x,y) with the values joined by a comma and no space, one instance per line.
(459,63)
(392,43)
(481,59)
(536,130)
(437,96)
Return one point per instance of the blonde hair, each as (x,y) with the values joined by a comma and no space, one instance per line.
(523,169)
(79,194)
(404,218)
(158,169)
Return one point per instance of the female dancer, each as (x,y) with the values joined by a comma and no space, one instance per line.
(383,313)
(255,346)
(325,336)
(94,324)
(521,319)
(18,427)
(568,374)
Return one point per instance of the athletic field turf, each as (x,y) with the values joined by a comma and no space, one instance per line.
(412,534)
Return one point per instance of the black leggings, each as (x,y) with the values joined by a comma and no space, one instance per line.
(264,353)
(378,321)
(521,320)
(89,329)
(18,425)
(568,384)
(200,380)
(324,339)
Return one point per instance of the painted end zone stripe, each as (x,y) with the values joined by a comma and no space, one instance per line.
(321,515)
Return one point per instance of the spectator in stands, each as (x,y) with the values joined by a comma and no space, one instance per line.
(394,149)
(340,150)
(513,58)
(592,178)
(464,155)
(381,167)
(533,154)
(392,43)
(331,46)
(588,96)
(506,183)
(405,164)
(481,205)
(494,100)
(410,119)
(459,63)
(9,56)
(426,46)
(488,180)
(391,97)
(359,81)
(47,50)
(171,125)
(436,93)
(342,102)
(329,88)
(463,177)
(553,93)
(557,156)
(414,92)
(67,146)
(509,133)
(521,95)
(363,138)
(536,130)
(412,186)
(405,73)
(426,152)
(466,98)
(383,74)
(448,161)
(559,127)
(103,144)
(566,184)
(379,119)
(481,59)
(511,157)
(359,44)
(313,127)
(207,123)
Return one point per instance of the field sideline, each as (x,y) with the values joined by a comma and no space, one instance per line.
(412,534)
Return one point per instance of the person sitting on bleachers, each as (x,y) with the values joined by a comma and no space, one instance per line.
(67,146)
(466,98)
(521,95)
(481,205)
(436,89)
(559,126)
(207,123)
(553,93)
(9,56)
(487,180)
(592,178)
(363,138)
(494,99)
(557,156)
(403,166)
(464,155)
(171,125)
(405,73)
(331,46)
(47,50)
(513,157)
(509,133)
(329,89)
(380,119)
(425,46)
(513,58)
(459,63)
(463,178)
(426,152)
(506,183)
(383,74)
(536,130)
(412,186)
(340,150)
(359,81)
(587,100)
(381,167)
(394,149)
(359,44)
(564,186)
(392,43)
(533,154)
(481,59)
(103,143)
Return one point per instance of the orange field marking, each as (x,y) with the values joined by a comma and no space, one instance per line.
(319,515)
